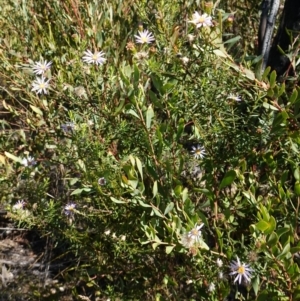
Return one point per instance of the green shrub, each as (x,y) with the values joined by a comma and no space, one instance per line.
(165,170)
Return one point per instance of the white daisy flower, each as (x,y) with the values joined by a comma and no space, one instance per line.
(80,91)
(195,233)
(70,208)
(90,122)
(211,287)
(234,97)
(68,127)
(198,151)
(107,232)
(187,241)
(40,85)
(29,161)
(241,270)
(94,58)
(142,55)
(144,37)
(185,60)
(102,181)
(221,275)
(41,67)
(191,37)
(201,20)
(19,205)
(219,263)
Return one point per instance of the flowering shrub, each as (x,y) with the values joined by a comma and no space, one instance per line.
(145,151)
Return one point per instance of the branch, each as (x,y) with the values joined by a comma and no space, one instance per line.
(268,33)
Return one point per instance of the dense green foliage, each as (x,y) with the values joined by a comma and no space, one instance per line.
(116,142)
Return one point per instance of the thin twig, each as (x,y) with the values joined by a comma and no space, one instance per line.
(14,229)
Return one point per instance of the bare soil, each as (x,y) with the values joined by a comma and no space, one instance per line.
(27,271)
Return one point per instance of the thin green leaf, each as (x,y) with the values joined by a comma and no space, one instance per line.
(273,79)
(149,116)
(184,194)
(203,245)
(233,40)
(139,166)
(136,75)
(154,189)
(169,208)
(156,212)
(296,173)
(169,249)
(144,204)
(293,96)
(117,201)
(133,113)
(13,157)
(77,191)
(284,252)
(36,110)
(255,284)
(262,225)
(228,179)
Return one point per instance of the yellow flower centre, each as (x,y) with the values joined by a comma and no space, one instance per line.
(201,19)
(194,232)
(144,39)
(94,57)
(241,270)
(42,85)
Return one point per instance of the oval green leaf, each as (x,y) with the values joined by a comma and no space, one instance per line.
(228,179)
